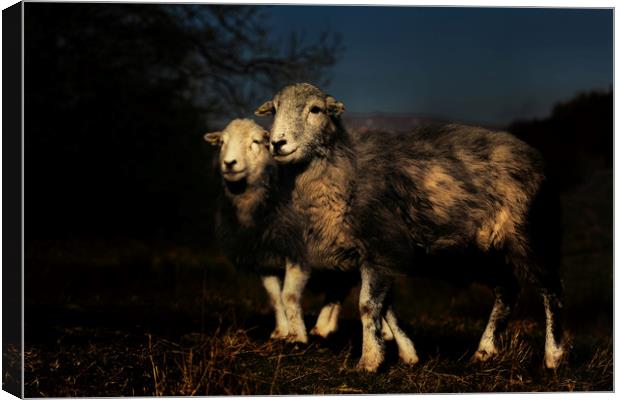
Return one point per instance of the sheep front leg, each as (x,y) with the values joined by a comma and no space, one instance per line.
(335,294)
(406,349)
(505,298)
(294,283)
(274,291)
(374,289)
(386,332)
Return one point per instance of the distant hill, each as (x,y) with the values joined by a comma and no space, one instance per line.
(576,139)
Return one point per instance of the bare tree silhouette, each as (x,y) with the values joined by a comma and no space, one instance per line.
(117,97)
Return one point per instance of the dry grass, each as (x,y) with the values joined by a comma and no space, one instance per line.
(124,318)
(233,360)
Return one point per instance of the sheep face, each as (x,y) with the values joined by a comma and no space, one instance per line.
(244,152)
(304,122)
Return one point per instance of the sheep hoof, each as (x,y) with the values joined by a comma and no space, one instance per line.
(554,358)
(366,365)
(316,331)
(296,338)
(484,355)
(277,334)
(409,359)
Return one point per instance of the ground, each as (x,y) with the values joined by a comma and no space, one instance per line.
(126,317)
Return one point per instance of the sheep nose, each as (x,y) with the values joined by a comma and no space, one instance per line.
(229,164)
(277,145)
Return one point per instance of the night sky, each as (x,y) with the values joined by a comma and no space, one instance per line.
(488,65)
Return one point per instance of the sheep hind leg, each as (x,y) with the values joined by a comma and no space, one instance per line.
(374,289)
(505,298)
(294,283)
(554,348)
(546,277)
(274,291)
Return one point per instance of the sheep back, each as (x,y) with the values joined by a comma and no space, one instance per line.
(444,190)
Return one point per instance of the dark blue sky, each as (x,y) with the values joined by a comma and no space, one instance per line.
(471,64)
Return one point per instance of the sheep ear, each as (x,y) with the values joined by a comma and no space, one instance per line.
(265,109)
(214,138)
(334,107)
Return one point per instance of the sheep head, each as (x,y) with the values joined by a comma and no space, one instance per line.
(244,150)
(304,121)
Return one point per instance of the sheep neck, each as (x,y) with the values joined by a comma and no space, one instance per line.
(249,203)
(321,192)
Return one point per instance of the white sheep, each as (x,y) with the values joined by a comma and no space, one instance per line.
(251,225)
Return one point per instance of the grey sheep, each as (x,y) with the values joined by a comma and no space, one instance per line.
(417,203)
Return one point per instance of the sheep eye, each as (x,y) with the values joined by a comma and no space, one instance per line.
(315,110)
